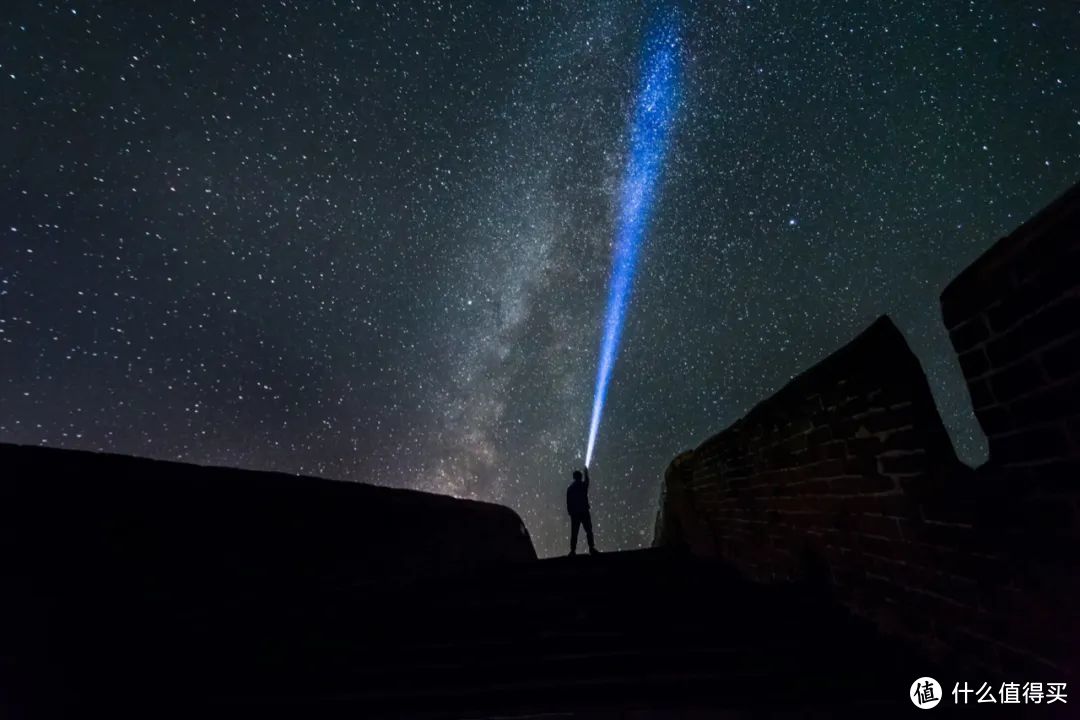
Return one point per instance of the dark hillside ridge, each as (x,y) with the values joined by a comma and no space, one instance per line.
(105,558)
(847,472)
(67,508)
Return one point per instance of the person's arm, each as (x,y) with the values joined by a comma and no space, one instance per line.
(586,479)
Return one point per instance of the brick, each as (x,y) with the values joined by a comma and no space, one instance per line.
(1047,260)
(879,546)
(920,488)
(890,567)
(795,444)
(812,454)
(810,520)
(784,475)
(848,576)
(1045,327)
(1025,664)
(826,469)
(1044,634)
(955,537)
(783,491)
(810,487)
(1047,405)
(891,504)
(947,510)
(1074,432)
(971,293)
(834,450)
(995,420)
(1059,477)
(891,420)
(740,474)
(959,589)
(843,428)
(928,604)
(891,393)
(974,363)
(969,334)
(879,525)
(985,570)
(906,464)
(853,406)
(1008,348)
(971,647)
(1017,380)
(919,551)
(819,436)
(878,593)
(907,439)
(864,446)
(1051,324)
(949,615)
(865,464)
(1023,301)
(1028,446)
(802,424)
(800,474)
(1044,516)
(981,395)
(1064,360)
(853,485)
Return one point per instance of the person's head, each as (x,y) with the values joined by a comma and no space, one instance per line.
(577,476)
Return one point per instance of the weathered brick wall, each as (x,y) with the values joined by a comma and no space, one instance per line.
(675,523)
(847,473)
(1014,318)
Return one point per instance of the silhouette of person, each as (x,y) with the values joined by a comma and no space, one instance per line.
(577,505)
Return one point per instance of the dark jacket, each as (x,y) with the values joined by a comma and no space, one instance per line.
(577,497)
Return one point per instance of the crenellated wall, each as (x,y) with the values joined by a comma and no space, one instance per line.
(846,475)
(1014,318)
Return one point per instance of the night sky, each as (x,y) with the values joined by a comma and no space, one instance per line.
(371,241)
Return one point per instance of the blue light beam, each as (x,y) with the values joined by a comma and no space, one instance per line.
(654,115)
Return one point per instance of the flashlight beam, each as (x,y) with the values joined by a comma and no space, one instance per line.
(654,114)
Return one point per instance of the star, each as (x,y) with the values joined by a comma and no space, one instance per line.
(374,242)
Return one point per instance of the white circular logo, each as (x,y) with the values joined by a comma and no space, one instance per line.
(925,693)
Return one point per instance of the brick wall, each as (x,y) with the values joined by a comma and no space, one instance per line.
(847,474)
(1014,318)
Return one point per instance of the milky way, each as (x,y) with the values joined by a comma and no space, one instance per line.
(372,241)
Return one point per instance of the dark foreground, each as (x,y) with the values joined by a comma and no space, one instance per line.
(635,634)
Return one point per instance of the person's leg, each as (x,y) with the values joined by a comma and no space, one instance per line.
(586,520)
(575,522)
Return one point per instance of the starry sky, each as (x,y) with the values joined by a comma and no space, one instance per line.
(371,240)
